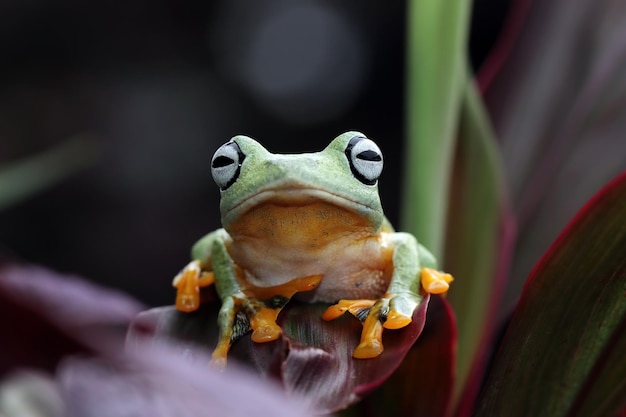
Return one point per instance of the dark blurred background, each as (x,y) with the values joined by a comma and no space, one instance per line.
(159,86)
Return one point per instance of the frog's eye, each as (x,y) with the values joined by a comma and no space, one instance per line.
(365,158)
(226,164)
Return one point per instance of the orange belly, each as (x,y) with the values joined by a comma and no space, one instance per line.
(277,243)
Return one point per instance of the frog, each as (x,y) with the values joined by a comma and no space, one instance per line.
(308,227)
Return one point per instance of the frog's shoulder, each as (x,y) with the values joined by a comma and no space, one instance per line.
(426,258)
(387,227)
(201,250)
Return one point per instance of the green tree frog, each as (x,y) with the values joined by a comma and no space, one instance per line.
(311,226)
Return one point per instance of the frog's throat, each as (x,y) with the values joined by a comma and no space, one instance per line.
(291,196)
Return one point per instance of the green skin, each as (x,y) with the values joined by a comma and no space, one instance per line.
(353,260)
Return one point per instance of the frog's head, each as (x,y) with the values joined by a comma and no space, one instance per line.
(344,176)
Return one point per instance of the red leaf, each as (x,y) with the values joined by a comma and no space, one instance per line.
(563,352)
(422,385)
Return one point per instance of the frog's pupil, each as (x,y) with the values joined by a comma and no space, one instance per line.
(369,155)
(221,161)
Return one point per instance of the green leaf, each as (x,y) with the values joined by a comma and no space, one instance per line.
(459,196)
(563,353)
(436,39)
(479,240)
(27,177)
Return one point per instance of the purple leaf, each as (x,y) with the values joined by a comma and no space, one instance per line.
(511,29)
(312,359)
(29,392)
(46,318)
(45,315)
(28,340)
(66,300)
(557,104)
(154,380)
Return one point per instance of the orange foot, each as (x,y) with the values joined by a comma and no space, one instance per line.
(375,315)
(188,283)
(435,282)
(394,310)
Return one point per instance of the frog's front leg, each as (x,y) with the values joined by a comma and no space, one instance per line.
(197,274)
(232,320)
(413,271)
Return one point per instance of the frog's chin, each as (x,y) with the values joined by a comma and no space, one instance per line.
(299,197)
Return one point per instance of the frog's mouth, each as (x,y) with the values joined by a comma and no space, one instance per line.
(296,200)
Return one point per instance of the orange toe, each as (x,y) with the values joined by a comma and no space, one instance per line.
(435,282)
(397,321)
(368,350)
